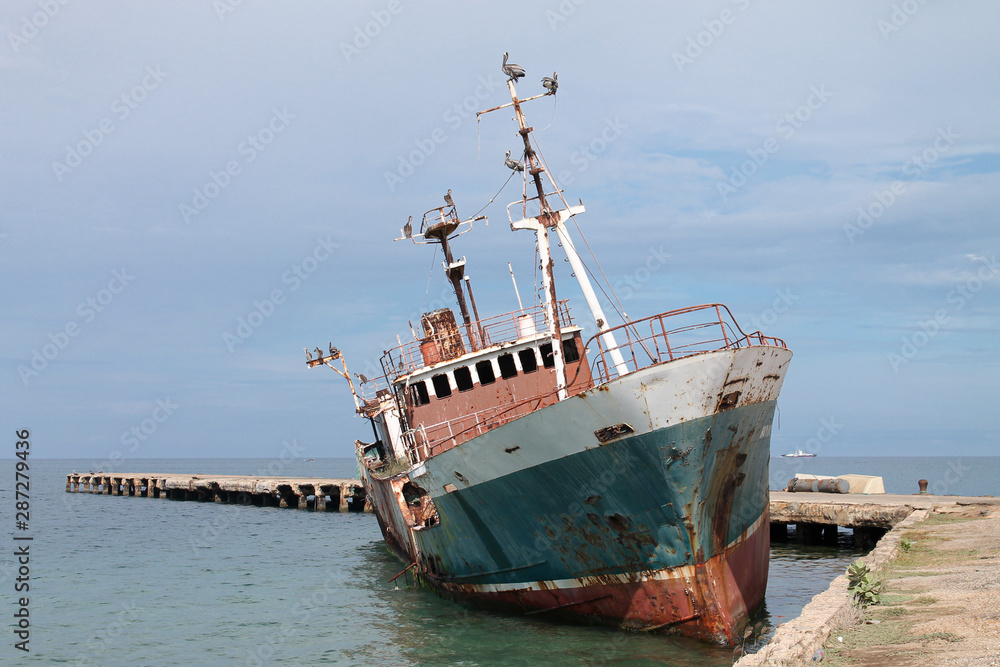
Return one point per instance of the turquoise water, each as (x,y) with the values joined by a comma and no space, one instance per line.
(147,581)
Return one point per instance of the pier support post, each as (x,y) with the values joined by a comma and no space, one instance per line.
(320,504)
(779,532)
(342,505)
(808,533)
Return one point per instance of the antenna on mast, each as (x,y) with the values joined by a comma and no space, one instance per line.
(440,225)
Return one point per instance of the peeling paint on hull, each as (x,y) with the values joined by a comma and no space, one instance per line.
(667,601)
(662,529)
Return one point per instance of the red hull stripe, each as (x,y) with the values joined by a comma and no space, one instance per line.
(705,600)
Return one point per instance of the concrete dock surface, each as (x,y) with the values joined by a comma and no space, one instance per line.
(940,569)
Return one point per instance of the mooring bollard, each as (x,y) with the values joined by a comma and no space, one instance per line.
(922,483)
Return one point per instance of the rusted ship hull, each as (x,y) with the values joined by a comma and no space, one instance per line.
(661,526)
(665,600)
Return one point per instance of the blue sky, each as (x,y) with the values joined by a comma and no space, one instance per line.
(830,172)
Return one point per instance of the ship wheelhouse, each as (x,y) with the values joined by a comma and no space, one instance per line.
(447,395)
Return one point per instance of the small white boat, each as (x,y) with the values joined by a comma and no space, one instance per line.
(799,454)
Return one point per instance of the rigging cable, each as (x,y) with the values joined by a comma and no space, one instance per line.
(619,308)
(493,198)
(423,308)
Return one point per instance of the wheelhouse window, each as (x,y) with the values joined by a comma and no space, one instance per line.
(548,359)
(442,388)
(508,368)
(463,378)
(418,393)
(484,369)
(529,364)
(570,351)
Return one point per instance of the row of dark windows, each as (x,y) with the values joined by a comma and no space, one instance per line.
(484,370)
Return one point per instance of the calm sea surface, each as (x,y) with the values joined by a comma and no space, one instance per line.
(142,581)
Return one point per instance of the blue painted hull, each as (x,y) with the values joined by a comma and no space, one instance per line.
(672,497)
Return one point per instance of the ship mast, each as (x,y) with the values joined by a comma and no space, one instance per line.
(439,226)
(546,219)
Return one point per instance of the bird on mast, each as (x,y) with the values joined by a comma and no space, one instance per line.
(551,83)
(513,164)
(513,72)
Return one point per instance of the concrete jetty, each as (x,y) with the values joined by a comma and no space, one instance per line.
(319,494)
(796,641)
(818,515)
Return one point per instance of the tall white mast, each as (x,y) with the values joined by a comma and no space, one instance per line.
(546,219)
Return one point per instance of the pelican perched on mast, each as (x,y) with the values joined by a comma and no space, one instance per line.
(513,72)
(512,163)
(551,83)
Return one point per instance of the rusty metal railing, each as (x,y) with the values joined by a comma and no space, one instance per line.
(673,335)
(444,435)
(407,358)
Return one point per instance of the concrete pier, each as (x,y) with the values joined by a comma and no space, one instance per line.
(817,515)
(321,495)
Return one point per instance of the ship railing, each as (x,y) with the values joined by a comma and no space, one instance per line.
(416,444)
(444,435)
(509,327)
(373,390)
(672,335)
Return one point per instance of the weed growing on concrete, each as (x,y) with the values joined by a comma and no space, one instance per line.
(862,584)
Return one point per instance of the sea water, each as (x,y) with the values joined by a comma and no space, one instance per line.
(141,581)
